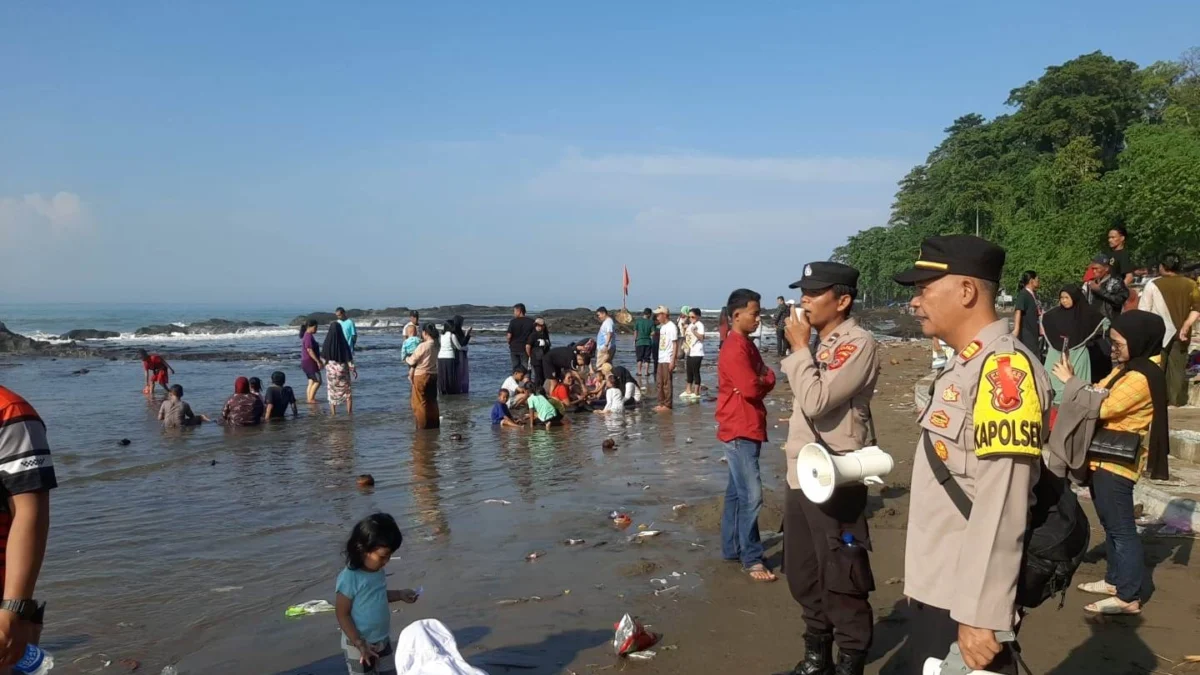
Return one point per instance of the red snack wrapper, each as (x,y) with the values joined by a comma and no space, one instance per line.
(631,636)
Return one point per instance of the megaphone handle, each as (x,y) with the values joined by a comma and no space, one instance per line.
(1003,636)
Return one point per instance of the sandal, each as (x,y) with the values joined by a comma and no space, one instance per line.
(1113,606)
(765,575)
(1098,588)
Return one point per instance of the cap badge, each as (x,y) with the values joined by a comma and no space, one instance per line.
(808,270)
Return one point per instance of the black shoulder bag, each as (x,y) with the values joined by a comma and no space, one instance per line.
(1055,540)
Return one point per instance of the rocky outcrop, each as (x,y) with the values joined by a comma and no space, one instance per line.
(580,320)
(90,334)
(209,327)
(13,343)
(356,314)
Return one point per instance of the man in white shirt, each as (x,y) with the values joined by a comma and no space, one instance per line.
(606,339)
(695,354)
(668,352)
(514,384)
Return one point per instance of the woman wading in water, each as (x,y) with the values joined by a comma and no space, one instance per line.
(310,359)
(339,368)
(424,362)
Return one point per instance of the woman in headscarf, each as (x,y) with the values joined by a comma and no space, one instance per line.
(1074,327)
(1136,403)
(424,363)
(243,409)
(447,360)
(339,368)
(464,370)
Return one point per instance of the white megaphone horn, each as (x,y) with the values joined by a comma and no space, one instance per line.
(819,471)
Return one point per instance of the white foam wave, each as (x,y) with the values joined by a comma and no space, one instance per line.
(245,334)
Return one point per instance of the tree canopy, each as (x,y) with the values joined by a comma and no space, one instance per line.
(1092,143)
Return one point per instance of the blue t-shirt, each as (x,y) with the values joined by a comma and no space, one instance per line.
(499,412)
(367,592)
(604,337)
(350,331)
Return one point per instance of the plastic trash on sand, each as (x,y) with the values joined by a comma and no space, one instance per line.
(631,636)
(310,607)
(427,647)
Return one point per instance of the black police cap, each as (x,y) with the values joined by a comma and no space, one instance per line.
(960,254)
(819,275)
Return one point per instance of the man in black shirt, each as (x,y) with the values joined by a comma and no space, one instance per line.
(1106,292)
(1118,260)
(558,361)
(278,398)
(519,330)
(1027,325)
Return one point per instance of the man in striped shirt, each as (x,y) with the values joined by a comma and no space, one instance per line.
(26,478)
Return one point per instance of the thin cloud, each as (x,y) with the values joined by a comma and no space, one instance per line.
(785,169)
(59,215)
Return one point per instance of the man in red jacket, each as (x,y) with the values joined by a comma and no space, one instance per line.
(743,380)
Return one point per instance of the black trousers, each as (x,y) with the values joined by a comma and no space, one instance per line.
(781,339)
(519,360)
(932,631)
(539,370)
(830,579)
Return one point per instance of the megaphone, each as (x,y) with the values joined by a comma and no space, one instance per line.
(819,471)
(940,667)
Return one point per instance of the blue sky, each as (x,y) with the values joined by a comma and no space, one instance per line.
(382,153)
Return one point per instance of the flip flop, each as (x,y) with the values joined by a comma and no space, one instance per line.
(751,570)
(1097,588)
(1112,606)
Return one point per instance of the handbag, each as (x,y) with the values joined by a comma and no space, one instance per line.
(1109,445)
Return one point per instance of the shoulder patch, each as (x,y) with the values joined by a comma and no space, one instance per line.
(841,354)
(971,351)
(939,419)
(1008,412)
(951,394)
(942,451)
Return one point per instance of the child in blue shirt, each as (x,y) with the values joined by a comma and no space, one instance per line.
(501,415)
(363,596)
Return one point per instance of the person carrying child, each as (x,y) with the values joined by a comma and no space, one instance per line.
(362,600)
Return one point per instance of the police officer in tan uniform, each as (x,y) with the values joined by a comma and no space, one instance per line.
(826,545)
(985,424)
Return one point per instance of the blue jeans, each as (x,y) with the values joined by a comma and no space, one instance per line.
(1113,497)
(743,500)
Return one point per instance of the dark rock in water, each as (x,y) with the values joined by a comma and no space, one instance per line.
(456,437)
(209,327)
(124,441)
(609,445)
(90,334)
(214,463)
(81,371)
(561,321)
(366,480)
(12,343)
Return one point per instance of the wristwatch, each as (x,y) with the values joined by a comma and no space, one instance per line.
(26,610)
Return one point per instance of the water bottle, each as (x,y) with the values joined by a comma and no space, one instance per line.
(848,539)
(35,662)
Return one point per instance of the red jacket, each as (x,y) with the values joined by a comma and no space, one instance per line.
(743,380)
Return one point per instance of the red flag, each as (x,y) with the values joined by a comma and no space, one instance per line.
(625,283)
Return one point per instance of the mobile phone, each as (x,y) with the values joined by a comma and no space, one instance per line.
(1066,342)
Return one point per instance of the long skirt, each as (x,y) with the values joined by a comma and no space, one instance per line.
(337,376)
(464,374)
(447,377)
(425,401)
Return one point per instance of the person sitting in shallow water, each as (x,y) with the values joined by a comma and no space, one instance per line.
(175,413)
(256,387)
(278,398)
(243,409)
(501,415)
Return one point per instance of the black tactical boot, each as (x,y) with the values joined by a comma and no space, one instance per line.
(818,656)
(850,662)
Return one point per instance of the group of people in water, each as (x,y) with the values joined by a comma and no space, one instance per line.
(545,385)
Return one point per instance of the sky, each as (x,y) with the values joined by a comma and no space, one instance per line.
(384,153)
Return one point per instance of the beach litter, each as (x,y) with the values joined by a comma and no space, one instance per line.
(621,520)
(679,507)
(646,534)
(574,542)
(169,670)
(669,589)
(535,555)
(501,502)
(226,589)
(310,607)
(631,636)
(644,656)
(609,444)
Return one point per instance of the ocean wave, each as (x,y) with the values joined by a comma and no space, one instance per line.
(131,338)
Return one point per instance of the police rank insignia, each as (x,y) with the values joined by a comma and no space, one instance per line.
(824,355)
(971,351)
(841,355)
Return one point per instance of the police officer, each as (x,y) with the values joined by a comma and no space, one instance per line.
(982,433)
(826,545)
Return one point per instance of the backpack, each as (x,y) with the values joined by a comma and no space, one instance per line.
(1056,539)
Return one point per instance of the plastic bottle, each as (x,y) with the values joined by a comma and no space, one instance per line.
(848,539)
(35,662)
